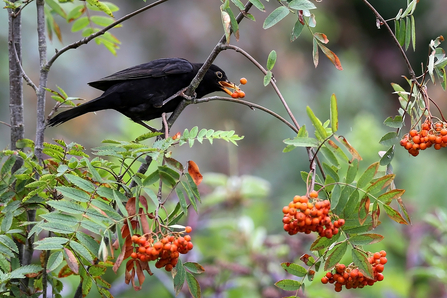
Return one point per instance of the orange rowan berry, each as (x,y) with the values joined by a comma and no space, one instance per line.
(413,132)
(243,81)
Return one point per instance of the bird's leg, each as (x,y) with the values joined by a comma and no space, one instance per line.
(145,125)
(165,125)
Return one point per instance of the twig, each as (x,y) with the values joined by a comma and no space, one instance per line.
(4,123)
(16,14)
(27,79)
(100,32)
(249,104)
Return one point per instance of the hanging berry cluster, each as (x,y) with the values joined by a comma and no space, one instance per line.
(302,215)
(429,135)
(351,277)
(165,251)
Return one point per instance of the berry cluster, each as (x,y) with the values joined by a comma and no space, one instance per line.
(165,251)
(429,135)
(351,277)
(239,93)
(304,216)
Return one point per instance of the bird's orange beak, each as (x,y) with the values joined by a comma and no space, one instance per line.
(225,85)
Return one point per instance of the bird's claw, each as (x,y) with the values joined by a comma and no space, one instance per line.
(187,97)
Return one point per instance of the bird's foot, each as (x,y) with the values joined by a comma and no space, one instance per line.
(187,97)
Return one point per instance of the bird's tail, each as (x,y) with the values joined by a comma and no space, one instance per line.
(90,106)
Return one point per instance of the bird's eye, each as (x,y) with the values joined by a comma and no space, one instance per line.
(219,74)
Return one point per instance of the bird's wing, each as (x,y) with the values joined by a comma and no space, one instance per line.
(154,69)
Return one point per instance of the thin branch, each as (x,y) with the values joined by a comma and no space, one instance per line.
(27,79)
(249,104)
(16,14)
(379,16)
(4,123)
(101,32)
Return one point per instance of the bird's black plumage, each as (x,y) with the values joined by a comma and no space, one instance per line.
(138,92)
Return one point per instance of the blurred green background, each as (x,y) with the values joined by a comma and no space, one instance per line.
(238,232)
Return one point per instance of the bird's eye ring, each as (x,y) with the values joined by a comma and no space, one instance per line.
(219,74)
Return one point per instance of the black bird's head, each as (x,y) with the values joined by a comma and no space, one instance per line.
(215,79)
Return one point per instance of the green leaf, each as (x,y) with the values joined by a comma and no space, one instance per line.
(101,6)
(394,215)
(81,183)
(82,251)
(79,24)
(239,5)
(67,206)
(323,242)
(194,267)
(60,218)
(296,31)
(9,243)
(391,195)
(75,13)
(380,183)
(361,261)
(387,157)
(334,114)
(301,5)
(271,60)
(352,171)
(73,193)
(401,36)
(413,32)
(56,8)
(58,228)
(329,155)
(395,122)
(275,16)
(365,239)
(302,142)
(389,139)
(193,285)
(368,175)
(258,4)
(268,78)
(233,22)
(88,242)
(288,285)
(294,269)
(344,197)
(102,21)
(182,201)
(407,32)
(335,255)
(54,260)
(321,131)
(179,277)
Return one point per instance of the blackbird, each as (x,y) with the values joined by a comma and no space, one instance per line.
(139,92)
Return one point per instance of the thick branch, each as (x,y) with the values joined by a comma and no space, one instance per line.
(42,47)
